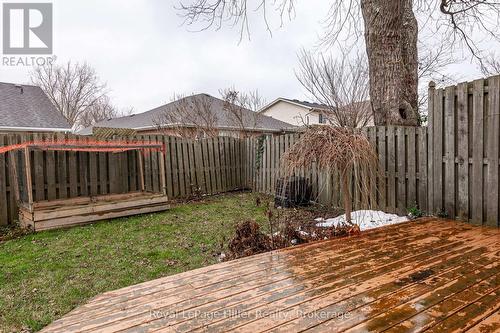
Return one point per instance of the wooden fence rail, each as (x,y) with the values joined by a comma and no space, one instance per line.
(206,167)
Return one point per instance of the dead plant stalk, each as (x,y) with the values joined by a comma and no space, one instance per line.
(344,151)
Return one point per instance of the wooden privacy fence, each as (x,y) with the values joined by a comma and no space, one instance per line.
(192,167)
(464,141)
(402,159)
(450,167)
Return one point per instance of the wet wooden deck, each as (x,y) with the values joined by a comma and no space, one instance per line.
(430,275)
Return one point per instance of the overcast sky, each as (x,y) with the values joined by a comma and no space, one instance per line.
(145,54)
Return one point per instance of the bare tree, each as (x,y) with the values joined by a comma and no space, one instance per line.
(102,109)
(432,64)
(491,65)
(336,150)
(391,35)
(390,29)
(213,13)
(127,111)
(74,89)
(241,109)
(192,117)
(341,84)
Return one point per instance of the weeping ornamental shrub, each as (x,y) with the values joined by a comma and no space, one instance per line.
(341,150)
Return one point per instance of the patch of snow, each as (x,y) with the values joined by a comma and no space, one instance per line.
(366,219)
(334,222)
(319,219)
(303,233)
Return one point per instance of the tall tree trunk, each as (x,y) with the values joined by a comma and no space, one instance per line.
(391,45)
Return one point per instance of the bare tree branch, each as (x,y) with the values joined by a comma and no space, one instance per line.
(191,117)
(341,84)
(432,64)
(456,20)
(101,110)
(215,13)
(466,16)
(241,109)
(391,32)
(74,89)
(491,65)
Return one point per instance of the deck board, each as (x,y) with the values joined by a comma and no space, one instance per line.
(431,274)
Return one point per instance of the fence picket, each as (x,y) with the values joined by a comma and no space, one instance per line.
(401,170)
(4,213)
(437,144)
(382,162)
(51,173)
(478,152)
(423,170)
(463,152)
(493,136)
(449,138)
(391,169)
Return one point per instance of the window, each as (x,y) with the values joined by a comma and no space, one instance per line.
(321,119)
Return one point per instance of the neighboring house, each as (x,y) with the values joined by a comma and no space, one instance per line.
(26,108)
(181,114)
(357,114)
(301,113)
(295,112)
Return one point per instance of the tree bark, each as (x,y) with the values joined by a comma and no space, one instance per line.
(391,45)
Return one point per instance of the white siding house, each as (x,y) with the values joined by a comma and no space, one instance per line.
(300,113)
(295,112)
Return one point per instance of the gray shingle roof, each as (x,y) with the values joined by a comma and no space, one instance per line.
(147,119)
(27,106)
(306,103)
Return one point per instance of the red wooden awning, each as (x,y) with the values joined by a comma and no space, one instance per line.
(86,146)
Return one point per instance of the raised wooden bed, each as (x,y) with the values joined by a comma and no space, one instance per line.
(46,215)
(61,213)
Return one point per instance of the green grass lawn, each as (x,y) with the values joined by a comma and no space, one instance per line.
(45,275)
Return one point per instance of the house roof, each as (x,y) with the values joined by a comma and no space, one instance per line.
(305,104)
(310,105)
(26,107)
(148,119)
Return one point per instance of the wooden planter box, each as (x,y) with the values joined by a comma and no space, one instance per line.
(45,215)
